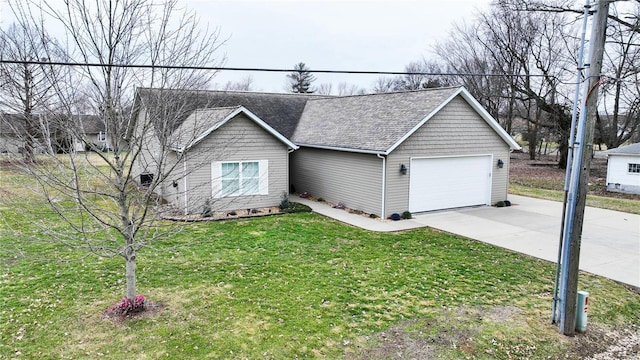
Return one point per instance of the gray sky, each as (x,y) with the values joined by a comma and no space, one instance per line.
(329,34)
(324,34)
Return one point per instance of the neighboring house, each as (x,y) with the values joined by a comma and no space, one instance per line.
(623,169)
(94,134)
(382,153)
(10,127)
(53,131)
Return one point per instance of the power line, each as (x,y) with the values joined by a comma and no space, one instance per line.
(224,68)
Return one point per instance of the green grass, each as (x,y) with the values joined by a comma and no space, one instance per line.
(624,205)
(281,287)
(278,287)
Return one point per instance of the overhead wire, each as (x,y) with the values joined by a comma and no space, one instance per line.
(258,69)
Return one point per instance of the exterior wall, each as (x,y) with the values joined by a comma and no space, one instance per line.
(150,154)
(351,178)
(80,146)
(240,139)
(618,177)
(174,175)
(455,130)
(10,144)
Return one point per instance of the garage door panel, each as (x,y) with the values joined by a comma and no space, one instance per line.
(442,183)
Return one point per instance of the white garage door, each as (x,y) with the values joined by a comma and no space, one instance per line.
(449,182)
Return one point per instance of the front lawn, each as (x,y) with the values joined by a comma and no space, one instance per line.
(287,286)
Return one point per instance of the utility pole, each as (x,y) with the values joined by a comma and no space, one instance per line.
(578,186)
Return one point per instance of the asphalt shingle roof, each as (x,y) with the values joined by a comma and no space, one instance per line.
(280,111)
(366,122)
(91,124)
(633,149)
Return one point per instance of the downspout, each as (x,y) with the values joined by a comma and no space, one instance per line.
(384,185)
(288,189)
(186,188)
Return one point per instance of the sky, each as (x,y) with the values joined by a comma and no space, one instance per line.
(337,35)
(382,35)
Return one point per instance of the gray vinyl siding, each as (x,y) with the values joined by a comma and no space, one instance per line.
(147,159)
(240,139)
(351,178)
(174,173)
(455,130)
(10,144)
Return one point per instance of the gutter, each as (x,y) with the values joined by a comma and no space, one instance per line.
(384,185)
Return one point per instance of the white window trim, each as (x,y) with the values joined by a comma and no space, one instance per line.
(216,178)
(633,172)
(102,136)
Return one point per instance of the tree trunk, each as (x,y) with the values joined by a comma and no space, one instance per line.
(563,149)
(533,141)
(130,256)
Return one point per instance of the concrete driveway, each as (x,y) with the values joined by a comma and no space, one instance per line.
(610,239)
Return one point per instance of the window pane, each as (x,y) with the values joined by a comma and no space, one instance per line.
(250,170)
(230,171)
(230,187)
(250,186)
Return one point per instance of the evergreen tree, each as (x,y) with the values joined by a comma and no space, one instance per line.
(300,79)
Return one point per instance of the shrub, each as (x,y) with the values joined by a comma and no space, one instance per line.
(295,207)
(373,216)
(500,204)
(395,217)
(284,201)
(126,306)
(319,199)
(406,215)
(206,209)
(507,203)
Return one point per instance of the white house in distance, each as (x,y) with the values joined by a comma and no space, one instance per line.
(623,169)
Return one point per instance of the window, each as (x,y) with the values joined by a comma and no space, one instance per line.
(102,136)
(239,178)
(634,168)
(146,179)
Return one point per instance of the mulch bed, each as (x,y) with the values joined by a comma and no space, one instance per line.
(169,212)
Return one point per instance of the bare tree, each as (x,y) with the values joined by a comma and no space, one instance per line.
(110,215)
(525,56)
(620,118)
(383,84)
(421,75)
(463,53)
(345,89)
(244,84)
(537,46)
(27,88)
(324,89)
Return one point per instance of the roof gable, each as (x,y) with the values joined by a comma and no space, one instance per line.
(202,122)
(378,123)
